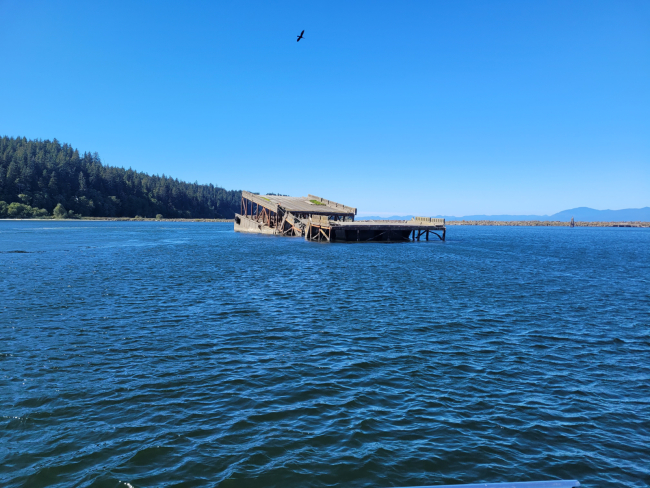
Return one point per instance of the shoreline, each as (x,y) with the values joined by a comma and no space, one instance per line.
(496,223)
(120,219)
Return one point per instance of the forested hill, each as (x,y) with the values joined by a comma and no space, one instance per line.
(36,176)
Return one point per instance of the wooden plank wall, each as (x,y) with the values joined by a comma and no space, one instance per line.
(430,220)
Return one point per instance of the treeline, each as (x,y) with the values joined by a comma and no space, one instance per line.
(37,177)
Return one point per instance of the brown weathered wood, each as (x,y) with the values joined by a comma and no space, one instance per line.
(331,220)
(428,220)
(260,201)
(335,205)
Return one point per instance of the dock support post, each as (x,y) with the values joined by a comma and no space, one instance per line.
(427,235)
(444,232)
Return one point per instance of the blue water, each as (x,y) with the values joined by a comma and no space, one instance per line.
(184,354)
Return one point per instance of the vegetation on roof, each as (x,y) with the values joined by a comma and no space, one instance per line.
(316,202)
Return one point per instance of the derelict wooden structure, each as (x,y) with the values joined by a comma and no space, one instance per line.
(318,219)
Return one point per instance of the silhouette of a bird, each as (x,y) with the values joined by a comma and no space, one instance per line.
(300,36)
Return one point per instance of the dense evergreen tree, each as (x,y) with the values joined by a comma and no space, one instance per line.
(39,175)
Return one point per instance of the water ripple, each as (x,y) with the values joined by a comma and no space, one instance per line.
(154,354)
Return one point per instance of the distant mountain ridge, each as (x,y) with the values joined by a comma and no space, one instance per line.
(580,214)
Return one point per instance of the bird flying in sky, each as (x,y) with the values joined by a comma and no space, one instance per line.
(300,36)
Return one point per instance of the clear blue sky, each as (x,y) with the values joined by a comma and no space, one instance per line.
(432,107)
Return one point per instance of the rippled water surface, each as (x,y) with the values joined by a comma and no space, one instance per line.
(184,354)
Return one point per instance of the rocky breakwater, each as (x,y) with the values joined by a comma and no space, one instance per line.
(550,223)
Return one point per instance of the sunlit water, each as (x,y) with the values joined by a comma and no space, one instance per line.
(184,354)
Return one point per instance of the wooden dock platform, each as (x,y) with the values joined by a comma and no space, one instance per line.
(318,219)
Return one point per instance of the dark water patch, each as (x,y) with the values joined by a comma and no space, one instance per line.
(22,252)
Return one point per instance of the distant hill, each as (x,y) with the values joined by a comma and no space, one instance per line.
(586,214)
(38,176)
(581,214)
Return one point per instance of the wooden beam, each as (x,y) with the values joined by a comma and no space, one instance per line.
(375,237)
(260,201)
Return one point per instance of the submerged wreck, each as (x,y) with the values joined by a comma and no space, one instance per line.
(318,219)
